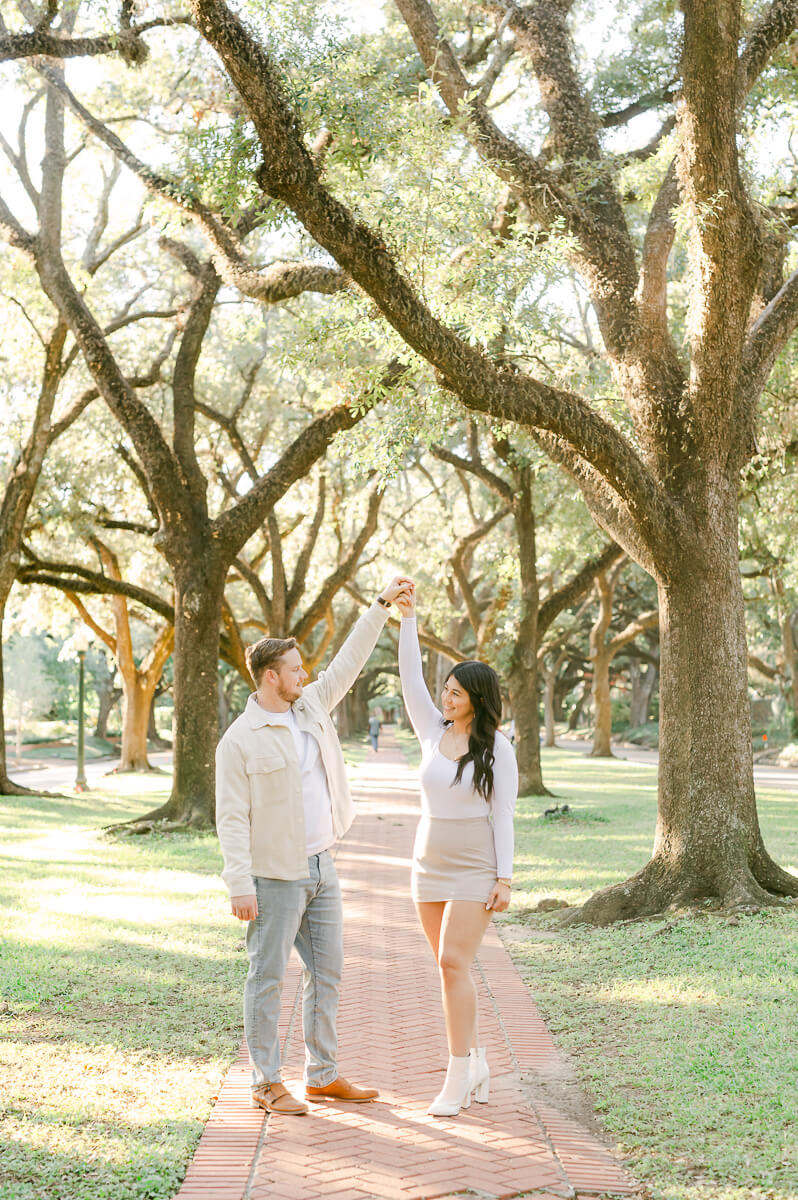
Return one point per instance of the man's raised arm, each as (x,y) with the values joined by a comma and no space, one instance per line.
(334,682)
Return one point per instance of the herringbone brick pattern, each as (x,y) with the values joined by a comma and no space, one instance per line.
(392,1036)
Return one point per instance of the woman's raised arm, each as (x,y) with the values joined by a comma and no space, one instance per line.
(425,717)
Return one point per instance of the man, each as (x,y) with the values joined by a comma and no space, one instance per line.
(282,802)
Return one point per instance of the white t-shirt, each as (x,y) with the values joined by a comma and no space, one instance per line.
(315,791)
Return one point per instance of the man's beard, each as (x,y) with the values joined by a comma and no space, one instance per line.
(287,693)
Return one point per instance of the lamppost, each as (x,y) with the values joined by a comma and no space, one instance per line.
(81,644)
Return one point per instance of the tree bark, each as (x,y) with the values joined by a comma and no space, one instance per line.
(708,842)
(643,684)
(602,705)
(788,617)
(153,736)
(600,657)
(602,651)
(136,702)
(577,710)
(108,697)
(199,592)
(523,675)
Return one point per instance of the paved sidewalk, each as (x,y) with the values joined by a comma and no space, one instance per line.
(392,1035)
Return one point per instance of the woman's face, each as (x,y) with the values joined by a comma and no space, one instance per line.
(456,701)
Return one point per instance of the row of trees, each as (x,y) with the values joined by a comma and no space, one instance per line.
(437,185)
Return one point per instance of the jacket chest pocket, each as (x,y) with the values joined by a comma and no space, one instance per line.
(267,781)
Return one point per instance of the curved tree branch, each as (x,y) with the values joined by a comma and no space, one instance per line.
(281,281)
(126,42)
(290,174)
(769,335)
(772,29)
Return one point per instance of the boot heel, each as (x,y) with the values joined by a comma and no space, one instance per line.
(467,1102)
(480,1075)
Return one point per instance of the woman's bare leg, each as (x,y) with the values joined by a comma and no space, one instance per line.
(430,914)
(461,931)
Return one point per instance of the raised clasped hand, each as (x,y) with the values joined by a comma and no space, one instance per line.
(406,599)
(398,588)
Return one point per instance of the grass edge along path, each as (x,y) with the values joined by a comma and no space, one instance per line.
(682,1032)
(121,977)
(120,1005)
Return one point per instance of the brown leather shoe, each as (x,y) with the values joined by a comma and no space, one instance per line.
(341,1089)
(276,1098)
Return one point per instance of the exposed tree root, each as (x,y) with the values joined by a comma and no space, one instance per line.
(660,889)
(9,788)
(145,770)
(161,820)
(139,828)
(645,893)
(535,788)
(771,876)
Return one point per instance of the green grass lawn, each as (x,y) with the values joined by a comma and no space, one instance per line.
(120,1005)
(121,975)
(683,1033)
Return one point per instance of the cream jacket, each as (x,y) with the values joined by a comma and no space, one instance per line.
(260,816)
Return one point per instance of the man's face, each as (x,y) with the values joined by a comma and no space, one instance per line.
(288,675)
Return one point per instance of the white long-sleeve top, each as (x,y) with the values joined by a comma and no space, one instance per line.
(440,796)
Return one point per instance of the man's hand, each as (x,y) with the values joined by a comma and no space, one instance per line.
(398,585)
(244,907)
(406,600)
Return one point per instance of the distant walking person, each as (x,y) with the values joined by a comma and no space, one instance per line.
(374,731)
(463,853)
(282,801)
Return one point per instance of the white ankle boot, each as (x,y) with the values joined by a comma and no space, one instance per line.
(456,1091)
(480,1074)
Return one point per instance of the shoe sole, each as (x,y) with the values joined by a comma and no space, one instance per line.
(341,1099)
(280,1112)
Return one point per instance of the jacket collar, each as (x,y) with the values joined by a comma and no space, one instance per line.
(257,717)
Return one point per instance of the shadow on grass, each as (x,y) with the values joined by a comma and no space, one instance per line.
(120,1163)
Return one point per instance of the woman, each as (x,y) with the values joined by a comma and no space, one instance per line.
(463,855)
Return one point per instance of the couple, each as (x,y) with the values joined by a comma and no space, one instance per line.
(282,803)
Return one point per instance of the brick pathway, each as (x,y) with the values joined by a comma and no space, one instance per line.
(392,1036)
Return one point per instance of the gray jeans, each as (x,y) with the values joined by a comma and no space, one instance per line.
(305,913)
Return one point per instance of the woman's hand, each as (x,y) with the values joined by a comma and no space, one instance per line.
(392,590)
(405,601)
(499,899)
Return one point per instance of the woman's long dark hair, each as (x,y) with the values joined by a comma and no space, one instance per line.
(482,684)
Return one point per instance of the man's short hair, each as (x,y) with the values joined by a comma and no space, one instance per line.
(266,653)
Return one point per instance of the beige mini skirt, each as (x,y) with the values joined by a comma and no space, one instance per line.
(453,859)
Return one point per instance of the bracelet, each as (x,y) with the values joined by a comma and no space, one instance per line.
(506,882)
(385,603)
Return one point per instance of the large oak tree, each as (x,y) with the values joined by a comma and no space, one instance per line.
(666,489)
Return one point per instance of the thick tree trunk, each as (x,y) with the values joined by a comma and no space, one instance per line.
(576,712)
(524,704)
(136,704)
(788,641)
(602,706)
(7,786)
(707,843)
(548,708)
(550,699)
(199,590)
(153,736)
(107,697)
(523,675)
(643,683)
